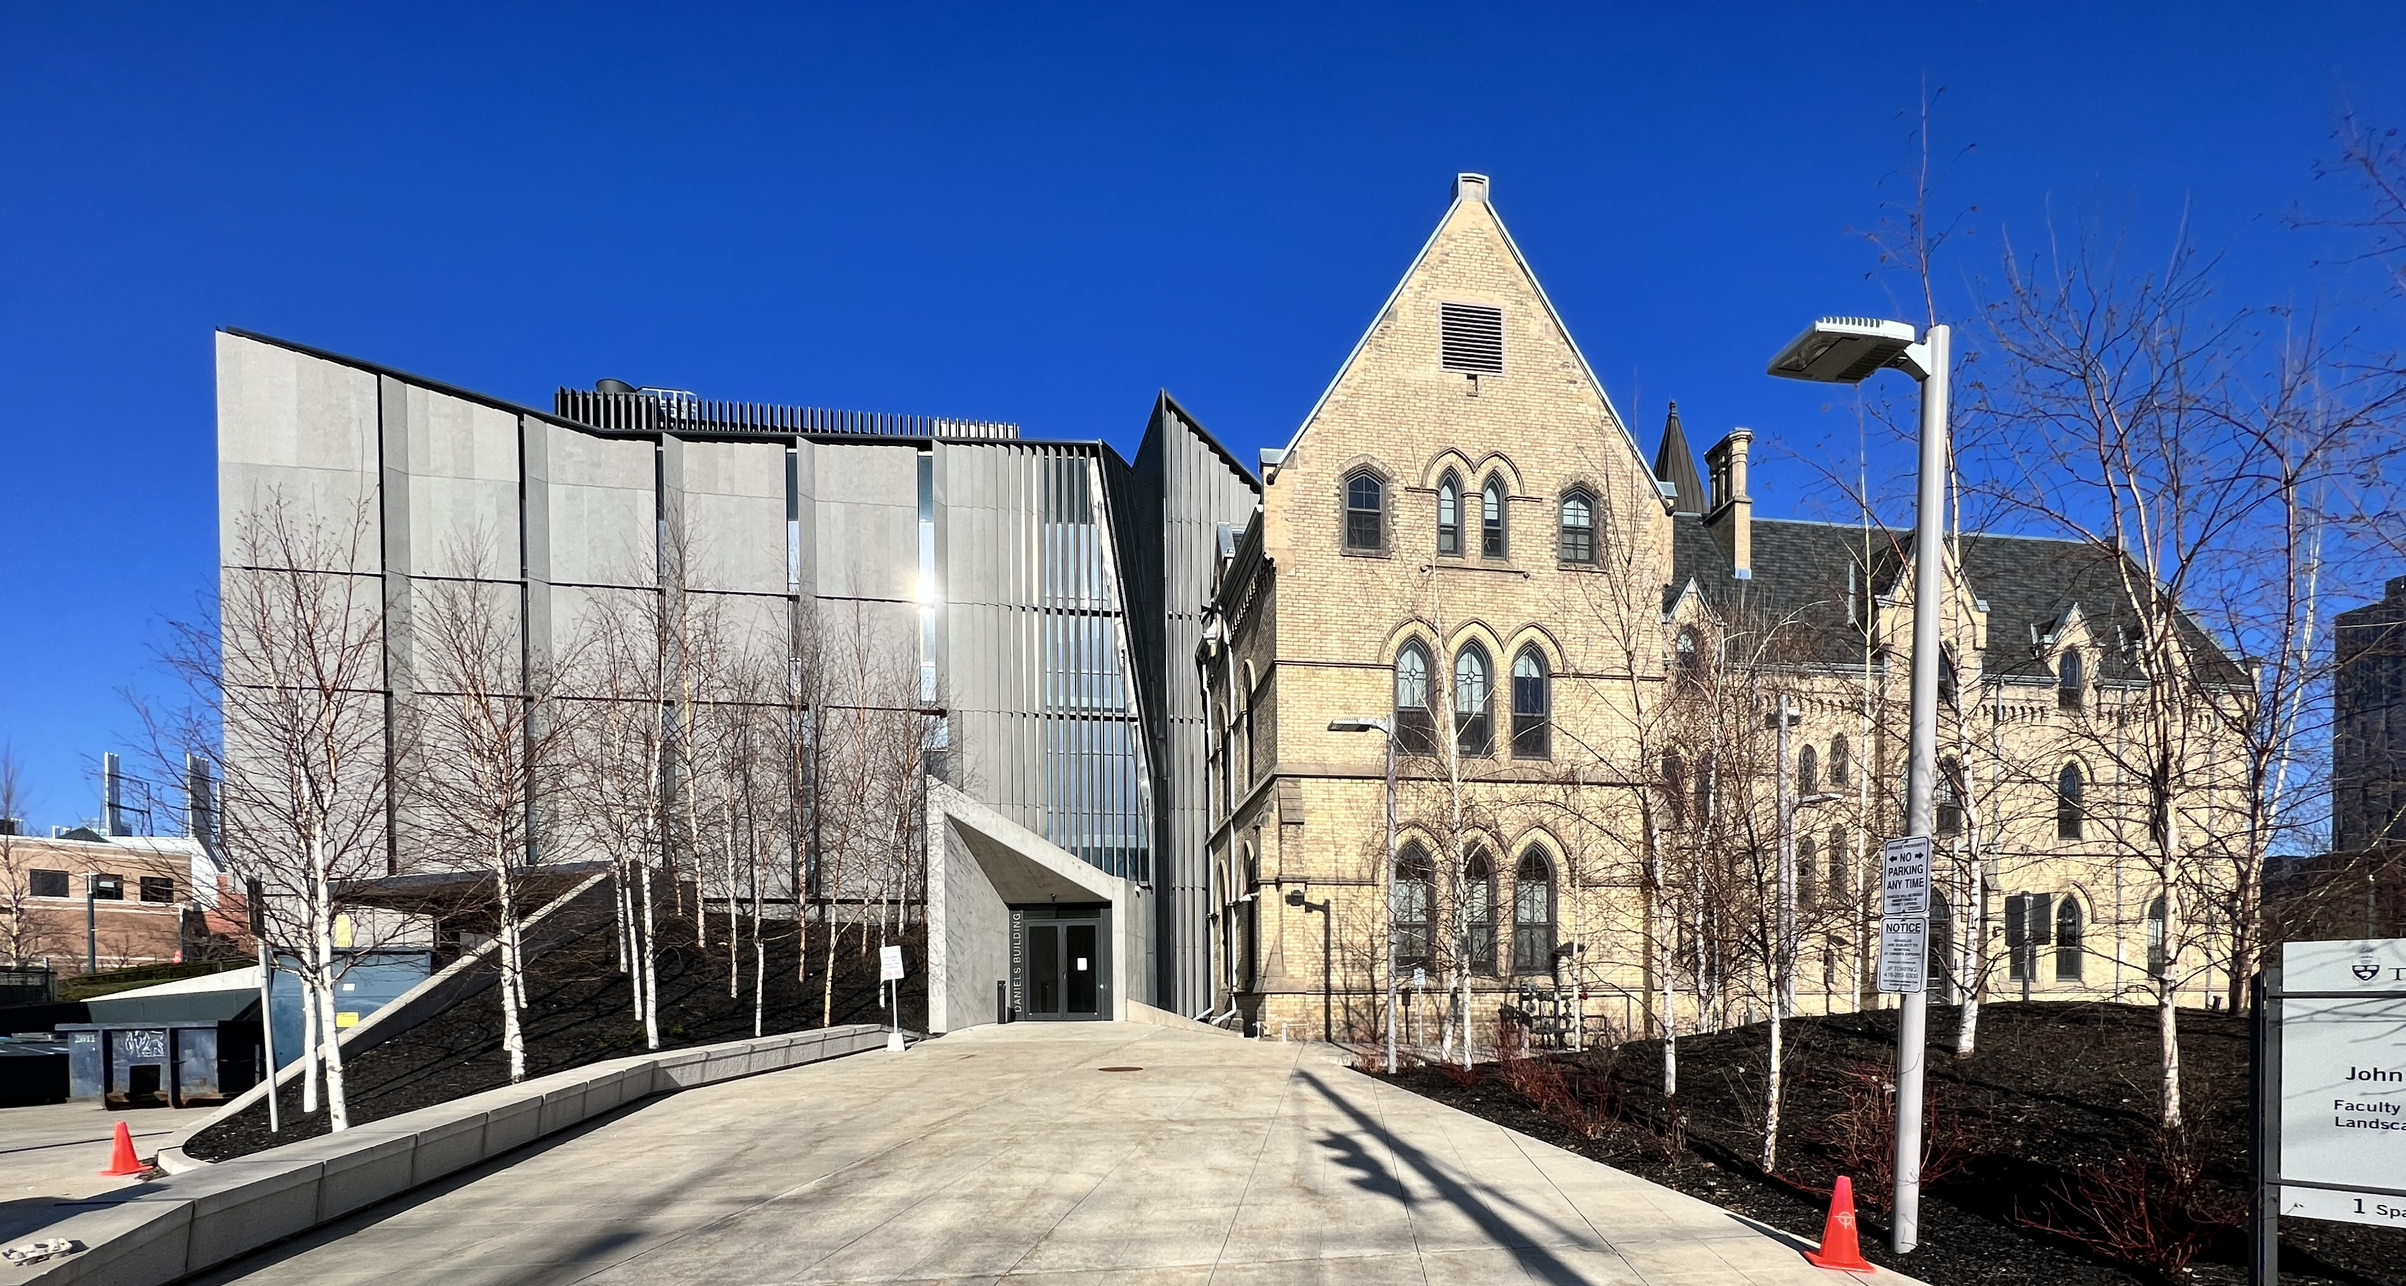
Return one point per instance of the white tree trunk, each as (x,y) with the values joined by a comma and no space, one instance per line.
(309,1039)
(651,969)
(513,966)
(1770,1156)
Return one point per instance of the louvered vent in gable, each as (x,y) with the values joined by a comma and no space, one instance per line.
(1473,338)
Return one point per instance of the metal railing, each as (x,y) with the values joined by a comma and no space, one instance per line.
(656,411)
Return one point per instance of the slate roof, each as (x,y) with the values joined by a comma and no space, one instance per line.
(1800,574)
(1676,464)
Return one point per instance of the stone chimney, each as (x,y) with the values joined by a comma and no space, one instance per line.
(1732,509)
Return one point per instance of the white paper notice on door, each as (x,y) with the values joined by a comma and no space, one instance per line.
(1081,964)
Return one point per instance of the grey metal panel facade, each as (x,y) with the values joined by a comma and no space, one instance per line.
(1064,589)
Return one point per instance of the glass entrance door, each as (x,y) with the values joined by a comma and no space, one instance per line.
(1061,967)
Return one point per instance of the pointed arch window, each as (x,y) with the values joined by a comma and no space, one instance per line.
(1415,716)
(1675,784)
(2070,788)
(1474,701)
(1415,905)
(2071,681)
(1704,788)
(1808,873)
(2159,959)
(1950,796)
(1841,887)
(1808,772)
(1841,766)
(1449,514)
(1532,706)
(1941,942)
(1533,914)
(1365,512)
(1579,528)
(1690,649)
(2068,951)
(1478,910)
(1491,519)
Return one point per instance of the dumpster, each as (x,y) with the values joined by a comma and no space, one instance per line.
(154,1064)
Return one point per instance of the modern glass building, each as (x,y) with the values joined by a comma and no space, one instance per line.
(1046,594)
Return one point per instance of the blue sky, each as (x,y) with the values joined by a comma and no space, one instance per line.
(1040,214)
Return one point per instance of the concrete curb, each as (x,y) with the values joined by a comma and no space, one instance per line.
(156,1232)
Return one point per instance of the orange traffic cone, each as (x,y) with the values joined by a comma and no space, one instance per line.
(123,1160)
(1839,1247)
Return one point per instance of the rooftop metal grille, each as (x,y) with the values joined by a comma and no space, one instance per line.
(662,410)
(1472,339)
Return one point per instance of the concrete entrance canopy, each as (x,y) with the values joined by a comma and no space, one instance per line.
(980,865)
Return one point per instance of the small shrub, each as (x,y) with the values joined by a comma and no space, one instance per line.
(2153,1211)
(1861,1137)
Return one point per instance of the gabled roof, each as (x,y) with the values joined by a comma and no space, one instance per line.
(1472,188)
(1801,575)
(1674,463)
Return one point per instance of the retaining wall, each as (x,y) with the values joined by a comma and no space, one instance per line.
(157,1232)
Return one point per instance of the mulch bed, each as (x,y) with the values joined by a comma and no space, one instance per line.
(579,1011)
(2046,1146)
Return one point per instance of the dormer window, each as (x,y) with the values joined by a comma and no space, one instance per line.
(2071,681)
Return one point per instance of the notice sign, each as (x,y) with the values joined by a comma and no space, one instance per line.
(1904,954)
(889,964)
(1905,884)
(2343,1081)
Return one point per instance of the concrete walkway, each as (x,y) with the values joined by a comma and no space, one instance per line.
(1010,1153)
(52,1152)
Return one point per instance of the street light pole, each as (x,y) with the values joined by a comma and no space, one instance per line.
(1849,350)
(1387,728)
(1328,970)
(1913,1011)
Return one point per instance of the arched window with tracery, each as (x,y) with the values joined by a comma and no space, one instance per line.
(1478,909)
(1449,514)
(1415,716)
(1532,705)
(1533,914)
(1365,512)
(1415,905)
(1579,528)
(1491,519)
(2068,951)
(1690,651)
(2070,789)
(1474,701)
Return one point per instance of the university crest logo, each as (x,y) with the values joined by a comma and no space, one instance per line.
(2365,970)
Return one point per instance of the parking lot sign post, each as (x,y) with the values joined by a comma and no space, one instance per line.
(889,974)
(1904,915)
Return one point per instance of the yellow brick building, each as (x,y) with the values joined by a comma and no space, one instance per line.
(1581,653)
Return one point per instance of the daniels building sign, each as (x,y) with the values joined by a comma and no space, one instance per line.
(2343,1081)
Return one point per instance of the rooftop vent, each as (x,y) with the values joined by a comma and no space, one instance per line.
(1473,338)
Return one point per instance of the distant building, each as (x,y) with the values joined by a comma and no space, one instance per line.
(122,901)
(2368,745)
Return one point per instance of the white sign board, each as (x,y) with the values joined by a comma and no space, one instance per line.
(1904,954)
(889,964)
(2343,1081)
(1420,976)
(1905,883)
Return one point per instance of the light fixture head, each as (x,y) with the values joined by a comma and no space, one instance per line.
(1356,725)
(1294,897)
(1846,350)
